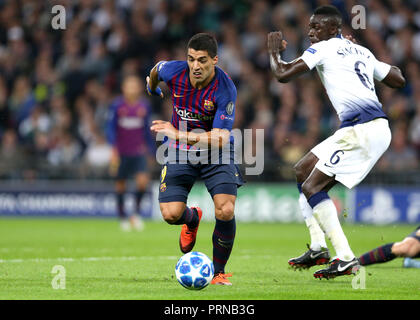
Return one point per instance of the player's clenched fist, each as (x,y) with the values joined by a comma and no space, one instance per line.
(275,42)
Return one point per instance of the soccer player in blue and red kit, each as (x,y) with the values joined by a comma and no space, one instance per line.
(128,131)
(203,97)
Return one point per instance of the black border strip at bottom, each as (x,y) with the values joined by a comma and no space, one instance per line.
(206,309)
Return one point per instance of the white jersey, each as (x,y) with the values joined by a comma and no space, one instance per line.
(347,71)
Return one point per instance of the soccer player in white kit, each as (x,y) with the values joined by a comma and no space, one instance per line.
(347,71)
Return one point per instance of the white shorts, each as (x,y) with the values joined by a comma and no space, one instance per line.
(351,152)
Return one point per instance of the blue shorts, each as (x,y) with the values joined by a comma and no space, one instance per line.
(177,179)
(131,165)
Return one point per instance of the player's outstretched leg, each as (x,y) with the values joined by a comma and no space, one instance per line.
(189,229)
(378,255)
(409,248)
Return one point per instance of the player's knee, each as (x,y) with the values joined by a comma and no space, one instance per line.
(225,211)
(413,248)
(406,248)
(308,189)
(413,251)
(170,215)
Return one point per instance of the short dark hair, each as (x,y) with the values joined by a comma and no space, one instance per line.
(331,12)
(204,42)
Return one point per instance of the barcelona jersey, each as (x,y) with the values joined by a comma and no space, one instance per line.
(210,107)
(128,128)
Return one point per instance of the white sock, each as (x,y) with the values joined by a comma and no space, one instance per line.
(326,214)
(316,233)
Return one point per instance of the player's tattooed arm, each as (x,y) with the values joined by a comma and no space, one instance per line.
(394,78)
(283,71)
(215,137)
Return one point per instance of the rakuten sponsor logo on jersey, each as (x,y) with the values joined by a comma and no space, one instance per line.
(191,116)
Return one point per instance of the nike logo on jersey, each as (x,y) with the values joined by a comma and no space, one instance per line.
(178,96)
(342,268)
(314,255)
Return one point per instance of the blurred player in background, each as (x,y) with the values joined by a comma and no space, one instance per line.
(203,98)
(128,132)
(409,248)
(347,71)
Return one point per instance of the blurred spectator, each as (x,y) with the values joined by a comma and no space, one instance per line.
(5,119)
(414,129)
(11,157)
(38,121)
(66,151)
(400,155)
(97,156)
(21,101)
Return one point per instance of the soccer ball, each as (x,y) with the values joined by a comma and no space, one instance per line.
(194,270)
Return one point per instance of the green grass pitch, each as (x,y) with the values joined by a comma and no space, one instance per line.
(101,262)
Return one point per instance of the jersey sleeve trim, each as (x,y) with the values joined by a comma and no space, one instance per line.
(381,70)
(313,55)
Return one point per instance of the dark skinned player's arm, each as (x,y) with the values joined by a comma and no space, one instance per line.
(394,78)
(283,71)
(286,71)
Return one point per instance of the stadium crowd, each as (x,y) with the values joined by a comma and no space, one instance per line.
(56,85)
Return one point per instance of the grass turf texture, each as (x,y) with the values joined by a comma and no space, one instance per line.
(102,262)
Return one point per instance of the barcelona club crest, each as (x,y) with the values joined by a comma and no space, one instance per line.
(208,105)
(163,187)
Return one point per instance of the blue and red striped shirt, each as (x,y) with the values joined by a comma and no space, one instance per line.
(210,107)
